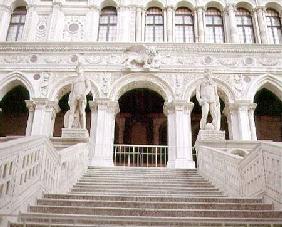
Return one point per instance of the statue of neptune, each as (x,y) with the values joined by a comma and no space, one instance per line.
(206,94)
(77,101)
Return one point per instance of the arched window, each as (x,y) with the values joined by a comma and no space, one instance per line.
(214,26)
(154,25)
(245,26)
(184,25)
(273,26)
(108,24)
(16,26)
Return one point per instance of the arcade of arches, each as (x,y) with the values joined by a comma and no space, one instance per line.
(141,120)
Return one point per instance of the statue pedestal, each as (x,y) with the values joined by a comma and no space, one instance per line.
(211,135)
(74,133)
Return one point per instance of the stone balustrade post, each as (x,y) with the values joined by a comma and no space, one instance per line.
(5,16)
(103,112)
(230,9)
(92,24)
(201,26)
(260,12)
(179,134)
(56,23)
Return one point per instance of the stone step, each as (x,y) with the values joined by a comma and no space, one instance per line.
(146,188)
(155,205)
(145,192)
(148,198)
(119,211)
(93,220)
(143,174)
(139,169)
(147,184)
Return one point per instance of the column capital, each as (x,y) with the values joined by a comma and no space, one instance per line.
(93,6)
(229,8)
(172,107)
(242,105)
(30,105)
(170,7)
(104,104)
(260,8)
(200,8)
(31,7)
(57,4)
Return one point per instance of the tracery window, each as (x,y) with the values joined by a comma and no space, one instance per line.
(15,30)
(108,24)
(245,26)
(184,25)
(154,25)
(273,26)
(214,26)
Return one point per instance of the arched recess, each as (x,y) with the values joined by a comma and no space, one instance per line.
(267,94)
(276,5)
(184,3)
(248,5)
(19,3)
(109,3)
(220,5)
(15,79)
(155,3)
(13,114)
(61,95)
(133,81)
(226,96)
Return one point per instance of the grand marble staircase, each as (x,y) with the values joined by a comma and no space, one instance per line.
(146,197)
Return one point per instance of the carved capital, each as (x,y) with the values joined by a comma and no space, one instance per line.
(172,107)
(104,104)
(5,8)
(242,105)
(30,105)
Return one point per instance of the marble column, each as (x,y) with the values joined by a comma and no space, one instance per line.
(5,16)
(201,25)
(170,27)
(252,121)
(103,112)
(243,120)
(230,9)
(52,109)
(138,24)
(260,11)
(92,22)
(31,107)
(179,134)
(56,23)
(41,124)
(30,24)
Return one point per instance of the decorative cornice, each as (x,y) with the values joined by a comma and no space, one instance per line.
(64,47)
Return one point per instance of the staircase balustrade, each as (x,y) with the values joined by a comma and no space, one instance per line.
(256,172)
(31,166)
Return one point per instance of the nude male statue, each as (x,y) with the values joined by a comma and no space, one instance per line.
(206,94)
(77,100)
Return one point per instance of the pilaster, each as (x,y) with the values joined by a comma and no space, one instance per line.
(179,134)
(201,26)
(230,10)
(92,18)
(103,112)
(57,22)
(123,32)
(170,23)
(30,24)
(260,12)
(138,27)
(5,16)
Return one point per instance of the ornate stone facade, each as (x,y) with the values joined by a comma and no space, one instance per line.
(58,33)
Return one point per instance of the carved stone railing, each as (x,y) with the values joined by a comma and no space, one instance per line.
(244,173)
(31,166)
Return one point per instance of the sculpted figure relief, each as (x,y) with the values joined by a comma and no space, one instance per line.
(76,116)
(208,99)
(141,57)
